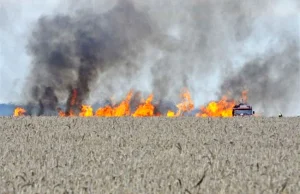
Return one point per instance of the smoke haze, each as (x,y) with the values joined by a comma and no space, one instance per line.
(105,48)
(70,51)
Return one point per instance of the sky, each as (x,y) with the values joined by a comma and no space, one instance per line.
(18,17)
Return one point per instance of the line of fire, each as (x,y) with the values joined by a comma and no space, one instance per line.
(140,107)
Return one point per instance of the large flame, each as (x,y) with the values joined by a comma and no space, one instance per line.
(86,111)
(123,109)
(106,111)
(19,112)
(146,108)
(222,108)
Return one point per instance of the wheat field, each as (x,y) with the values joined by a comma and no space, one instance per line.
(149,155)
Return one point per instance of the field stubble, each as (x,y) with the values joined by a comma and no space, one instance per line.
(149,155)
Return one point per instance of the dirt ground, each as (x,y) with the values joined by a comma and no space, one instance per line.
(149,155)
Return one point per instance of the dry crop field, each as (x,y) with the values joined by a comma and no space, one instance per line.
(149,155)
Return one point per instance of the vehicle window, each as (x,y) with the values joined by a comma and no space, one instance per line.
(243,112)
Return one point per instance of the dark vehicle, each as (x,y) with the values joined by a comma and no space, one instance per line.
(242,110)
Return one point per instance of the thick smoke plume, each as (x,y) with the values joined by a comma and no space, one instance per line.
(70,51)
(212,47)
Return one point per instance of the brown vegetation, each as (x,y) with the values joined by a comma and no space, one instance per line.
(149,155)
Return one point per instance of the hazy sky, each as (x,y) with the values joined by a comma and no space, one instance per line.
(18,16)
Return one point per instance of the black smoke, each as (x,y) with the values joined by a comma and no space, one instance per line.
(164,46)
(69,51)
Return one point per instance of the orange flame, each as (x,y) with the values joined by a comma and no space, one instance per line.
(61,113)
(86,111)
(123,109)
(106,111)
(222,108)
(71,105)
(19,112)
(186,104)
(146,109)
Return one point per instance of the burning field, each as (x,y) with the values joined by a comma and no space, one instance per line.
(127,96)
(130,60)
(134,105)
(149,155)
